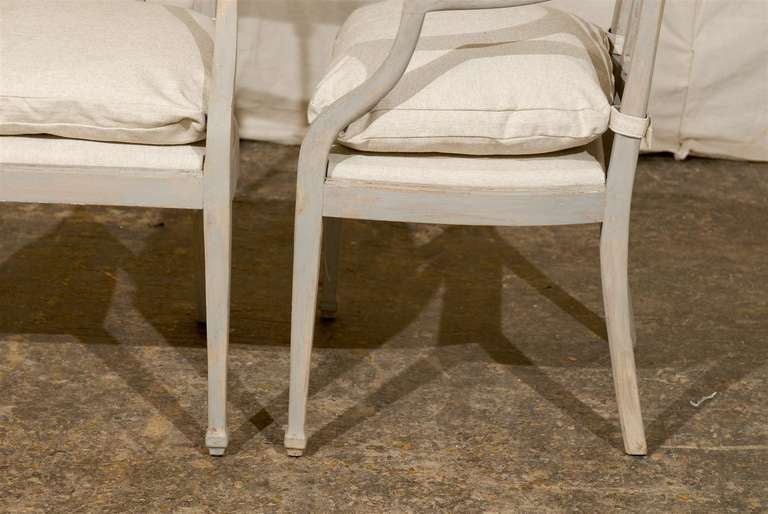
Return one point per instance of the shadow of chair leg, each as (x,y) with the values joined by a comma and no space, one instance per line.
(433,367)
(323,374)
(260,422)
(479,311)
(535,278)
(396,388)
(557,395)
(718,378)
(131,370)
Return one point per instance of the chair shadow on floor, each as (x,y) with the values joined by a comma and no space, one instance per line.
(65,282)
(468,265)
(78,263)
(80,288)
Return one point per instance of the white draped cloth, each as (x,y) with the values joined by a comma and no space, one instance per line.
(710,94)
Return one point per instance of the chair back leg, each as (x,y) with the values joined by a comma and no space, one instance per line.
(618,313)
(198,245)
(331,250)
(614,260)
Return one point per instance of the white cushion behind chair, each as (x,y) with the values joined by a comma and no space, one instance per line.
(520,80)
(129,72)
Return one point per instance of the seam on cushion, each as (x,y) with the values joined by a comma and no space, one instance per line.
(192,135)
(391,138)
(97,127)
(115,105)
(586,109)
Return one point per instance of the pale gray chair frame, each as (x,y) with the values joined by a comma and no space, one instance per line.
(210,193)
(322,203)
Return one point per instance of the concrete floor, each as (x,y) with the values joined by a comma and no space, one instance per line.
(468,370)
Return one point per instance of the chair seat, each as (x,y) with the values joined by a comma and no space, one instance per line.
(576,169)
(56,151)
(126,72)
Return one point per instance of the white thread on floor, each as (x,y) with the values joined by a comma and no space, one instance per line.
(698,403)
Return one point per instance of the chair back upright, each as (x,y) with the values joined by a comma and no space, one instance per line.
(635,36)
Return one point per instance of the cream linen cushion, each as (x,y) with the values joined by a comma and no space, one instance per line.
(128,72)
(575,169)
(520,80)
(79,153)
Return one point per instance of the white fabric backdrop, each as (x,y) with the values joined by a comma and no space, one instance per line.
(710,93)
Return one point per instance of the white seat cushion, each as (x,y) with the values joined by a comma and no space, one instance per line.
(523,80)
(574,169)
(56,151)
(130,72)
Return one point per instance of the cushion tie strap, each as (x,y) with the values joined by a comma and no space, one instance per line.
(627,125)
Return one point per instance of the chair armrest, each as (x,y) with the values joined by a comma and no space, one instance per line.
(326,127)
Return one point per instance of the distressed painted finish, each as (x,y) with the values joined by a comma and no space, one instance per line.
(220,180)
(317,197)
(614,241)
(209,193)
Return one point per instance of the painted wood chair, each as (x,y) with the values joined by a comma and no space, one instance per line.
(206,186)
(323,198)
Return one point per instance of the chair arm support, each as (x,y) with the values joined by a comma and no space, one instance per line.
(326,127)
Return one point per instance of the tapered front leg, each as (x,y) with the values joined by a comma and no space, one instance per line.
(619,317)
(331,251)
(307,236)
(218,252)
(306,270)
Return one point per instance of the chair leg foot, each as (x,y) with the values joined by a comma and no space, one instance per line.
(217,441)
(640,450)
(295,445)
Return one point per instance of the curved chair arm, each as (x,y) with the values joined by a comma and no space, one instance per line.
(326,127)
